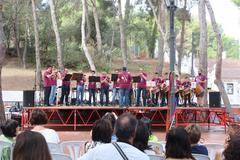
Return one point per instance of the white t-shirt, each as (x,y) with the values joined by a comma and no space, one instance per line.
(109,152)
(50,135)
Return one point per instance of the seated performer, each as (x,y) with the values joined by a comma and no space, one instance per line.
(141,87)
(105,80)
(164,89)
(65,88)
(200,87)
(80,89)
(186,91)
(92,91)
(156,89)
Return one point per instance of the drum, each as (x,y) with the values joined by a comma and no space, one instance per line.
(199,90)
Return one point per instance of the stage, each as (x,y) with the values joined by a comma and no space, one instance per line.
(78,116)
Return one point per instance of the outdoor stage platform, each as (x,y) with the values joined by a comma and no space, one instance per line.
(78,116)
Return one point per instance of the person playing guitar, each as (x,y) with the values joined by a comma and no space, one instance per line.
(200,87)
(156,89)
(187,91)
(105,80)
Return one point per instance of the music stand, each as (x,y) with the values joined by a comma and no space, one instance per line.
(114,77)
(136,79)
(77,76)
(67,77)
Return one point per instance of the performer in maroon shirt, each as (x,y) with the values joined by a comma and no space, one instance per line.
(156,88)
(200,87)
(92,91)
(80,89)
(124,81)
(115,90)
(178,86)
(65,88)
(164,89)
(105,80)
(186,91)
(141,88)
(47,84)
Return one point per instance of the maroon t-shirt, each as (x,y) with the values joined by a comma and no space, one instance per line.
(92,85)
(115,84)
(157,81)
(46,79)
(143,82)
(106,83)
(124,79)
(178,84)
(53,81)
(201,78)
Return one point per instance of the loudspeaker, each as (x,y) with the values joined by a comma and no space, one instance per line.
(28,98)
(214,100)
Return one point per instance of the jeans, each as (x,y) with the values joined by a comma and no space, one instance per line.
(52,95)
(187,97)
(124,97)
(130,96)
(80,93)
(114,95)
(144,96)
(92,93)
(47,91)
(164,96)
(155,98)
(65,94)
(104,91)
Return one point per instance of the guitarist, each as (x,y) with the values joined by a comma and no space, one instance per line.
(200,81)
(156,89)
(186,91)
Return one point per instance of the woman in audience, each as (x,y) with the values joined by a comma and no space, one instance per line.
(112,118)
(101,133)
(31,146)
(232,151)
(178,145)
(9,130)
(194,132)
(147,121)
(38,120)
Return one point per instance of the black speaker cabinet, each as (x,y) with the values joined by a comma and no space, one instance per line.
(214,100)
(28,98)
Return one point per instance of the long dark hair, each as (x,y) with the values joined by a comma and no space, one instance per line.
(31,145)
(178,144)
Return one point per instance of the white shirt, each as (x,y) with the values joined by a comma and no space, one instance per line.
(109,152)
(50,135)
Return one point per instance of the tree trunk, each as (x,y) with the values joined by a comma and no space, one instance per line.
(123,34)
(98,33)
(203,60)
(37,48)
(2,57)
(152,41)
(218,72)
(84,44)
(16,30)
(57,35)
(25,44)
(89,29)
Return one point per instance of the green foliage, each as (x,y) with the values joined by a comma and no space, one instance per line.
(237,2)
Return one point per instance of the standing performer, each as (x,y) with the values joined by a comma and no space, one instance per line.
(178,86)
(65,88)
(156,89)
(131,92)
(53,82)
(47,84)
(200,87)
(124,81)
(92,91)
(80,89)
(164,89)
(105,80)
(141,88)
(186,91)
(115,90)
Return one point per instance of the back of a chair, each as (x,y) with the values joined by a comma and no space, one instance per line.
(156,157)
(74,148)
(214,148)
(5,145)
(201,157)
(54,148)
(59,156)
(156,146)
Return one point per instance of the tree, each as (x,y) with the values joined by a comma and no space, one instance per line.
(84,44)
(237,2)
(37,48)
(2,57)
(57,35)
(218,72)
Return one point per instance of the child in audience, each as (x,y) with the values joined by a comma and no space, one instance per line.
(147,121)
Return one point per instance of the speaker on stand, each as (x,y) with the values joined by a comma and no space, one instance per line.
(28,98)
(214,100)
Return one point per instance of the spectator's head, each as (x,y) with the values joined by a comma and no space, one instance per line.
(178,144)
(9,128)
(38,117)
(125,128)
(194,132)
(111,117)
(148,123)
(141,138)
(233,130)
(32,146)
(102,131)
(232,150)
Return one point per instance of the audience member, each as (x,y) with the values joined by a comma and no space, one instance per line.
(101,133)
(194,132)
(125,128)
(38,120)
(178,145)
(112,117)
(147,121)
(232,150)
(9,130)
(31,146)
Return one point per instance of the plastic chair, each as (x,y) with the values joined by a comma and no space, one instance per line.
(201,157)
(156,157)
(54,148)
(5,145)
(156,146)
(59,156)
(213,148)
(74,148)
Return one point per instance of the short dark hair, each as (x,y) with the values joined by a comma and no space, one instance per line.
(126,127)
(141,138)
(124,68)
(233,130)
(178,144)
(93,71)
(232,150)
(38,117)
(9,128)
(147,122)
(110,116)
(194,132)
(102,131)
(32,146)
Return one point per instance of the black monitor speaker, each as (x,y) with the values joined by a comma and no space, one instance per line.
(28,98)
(214,100)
